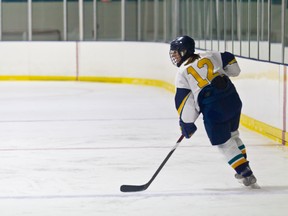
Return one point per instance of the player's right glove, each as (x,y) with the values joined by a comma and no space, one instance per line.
(187,129)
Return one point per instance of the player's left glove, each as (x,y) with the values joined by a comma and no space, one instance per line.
(187,129)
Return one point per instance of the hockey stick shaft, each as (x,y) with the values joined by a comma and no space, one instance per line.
(136,188)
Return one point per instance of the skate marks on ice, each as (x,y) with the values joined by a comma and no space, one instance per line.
(241,191)
(263,190)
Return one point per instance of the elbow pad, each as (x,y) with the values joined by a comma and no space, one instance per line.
(227,58)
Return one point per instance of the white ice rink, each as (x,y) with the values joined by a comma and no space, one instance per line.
(67,147)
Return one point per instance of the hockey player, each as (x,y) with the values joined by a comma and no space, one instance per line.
(203,86)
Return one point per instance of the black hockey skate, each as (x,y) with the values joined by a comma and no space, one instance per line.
(249,181)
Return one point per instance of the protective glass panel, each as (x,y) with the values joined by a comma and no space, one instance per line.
(276,45)
(109,20)
(131,19)
(245,33)
(147,20)
(214,20)
(236,27)
(183,17)
(72,20)
(168,31)
(263,30)
(253,30)
(221,5)
(88,19)
(201,15)
(210,7)
(47,20)
(14,28)
(159,20)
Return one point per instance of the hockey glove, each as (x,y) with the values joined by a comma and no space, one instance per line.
(187,129)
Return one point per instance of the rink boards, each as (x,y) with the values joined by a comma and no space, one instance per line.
(262,86)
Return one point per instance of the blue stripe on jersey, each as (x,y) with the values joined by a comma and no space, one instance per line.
(180,98)
(227,57)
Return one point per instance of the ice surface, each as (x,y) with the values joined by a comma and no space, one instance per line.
(67,147)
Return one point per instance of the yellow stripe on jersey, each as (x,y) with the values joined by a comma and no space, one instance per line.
(180,108)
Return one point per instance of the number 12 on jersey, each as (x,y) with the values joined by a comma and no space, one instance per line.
(202,82)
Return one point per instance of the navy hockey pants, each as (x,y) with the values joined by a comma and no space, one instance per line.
(221,109)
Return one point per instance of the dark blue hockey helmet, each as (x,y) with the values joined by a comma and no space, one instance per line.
(181,49)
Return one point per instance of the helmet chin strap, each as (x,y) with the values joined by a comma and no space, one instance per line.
(184,57)
(179,63)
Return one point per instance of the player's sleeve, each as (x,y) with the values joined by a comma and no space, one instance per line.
(230,65)
(184,101)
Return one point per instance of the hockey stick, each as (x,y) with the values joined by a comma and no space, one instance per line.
(136,188)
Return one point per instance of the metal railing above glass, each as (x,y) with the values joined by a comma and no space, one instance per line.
(254,29)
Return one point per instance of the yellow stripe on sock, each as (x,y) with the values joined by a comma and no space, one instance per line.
(238,162)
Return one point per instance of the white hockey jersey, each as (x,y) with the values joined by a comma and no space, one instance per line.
(193,77)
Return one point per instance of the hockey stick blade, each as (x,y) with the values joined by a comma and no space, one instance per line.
(133,188)
(137,188)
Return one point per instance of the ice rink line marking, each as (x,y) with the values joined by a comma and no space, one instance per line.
(84,120)
(239,192)
(88,149)
(110,148)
